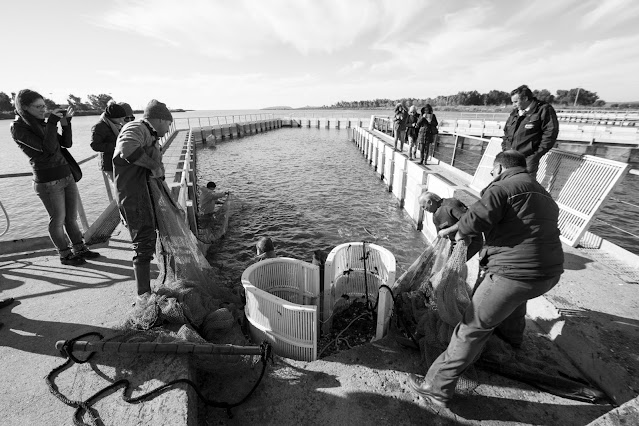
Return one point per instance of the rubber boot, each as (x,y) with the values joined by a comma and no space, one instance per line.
(142,272)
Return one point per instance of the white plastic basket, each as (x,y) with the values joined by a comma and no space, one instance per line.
(282,304)
(344,274)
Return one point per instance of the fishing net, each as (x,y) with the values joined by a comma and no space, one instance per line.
(433,295)
(213,226)
(187,304)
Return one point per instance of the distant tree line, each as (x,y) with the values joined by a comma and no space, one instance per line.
(95,103)
(493,98)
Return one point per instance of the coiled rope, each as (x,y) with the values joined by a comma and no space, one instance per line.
(83,407)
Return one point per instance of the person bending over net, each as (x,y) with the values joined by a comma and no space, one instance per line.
(523,258)
(446,214)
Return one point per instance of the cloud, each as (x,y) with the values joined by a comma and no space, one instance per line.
(609,13)
(349,69)
(237,29)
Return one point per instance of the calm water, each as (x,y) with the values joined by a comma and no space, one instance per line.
(307,189)
(29,219)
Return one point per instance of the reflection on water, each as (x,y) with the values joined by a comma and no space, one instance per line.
(307,189)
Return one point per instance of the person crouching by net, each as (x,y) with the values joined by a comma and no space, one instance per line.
(523,258)
(446,214)
(137,158)
(209,198)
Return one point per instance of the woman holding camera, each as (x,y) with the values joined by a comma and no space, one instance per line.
(53,181)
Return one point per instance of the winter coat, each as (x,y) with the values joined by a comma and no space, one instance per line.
(519,219)
(535,132)
(103,140)
(43,148)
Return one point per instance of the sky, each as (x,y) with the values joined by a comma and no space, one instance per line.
(248,54)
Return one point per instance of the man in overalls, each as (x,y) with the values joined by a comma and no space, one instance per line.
(137,158)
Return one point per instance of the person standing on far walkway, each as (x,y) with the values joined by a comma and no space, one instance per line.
(531,128)
(427,125)
(137,158)
(411,132)
(399,126)
(523,259)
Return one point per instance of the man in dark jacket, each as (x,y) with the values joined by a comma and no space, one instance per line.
(523,259)
(137,158)
(531,128)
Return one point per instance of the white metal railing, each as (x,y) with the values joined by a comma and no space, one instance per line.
(218,120)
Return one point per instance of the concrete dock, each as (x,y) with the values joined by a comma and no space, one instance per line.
(590,322)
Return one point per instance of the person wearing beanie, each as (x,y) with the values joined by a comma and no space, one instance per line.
(53,181)
(104,134)
(137,159)
(129,112)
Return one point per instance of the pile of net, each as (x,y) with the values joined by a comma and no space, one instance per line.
(432,297)
(187,304)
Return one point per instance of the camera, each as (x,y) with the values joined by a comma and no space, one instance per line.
(63,112)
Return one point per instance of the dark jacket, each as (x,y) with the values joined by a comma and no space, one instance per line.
(103,140)
(427,130)
(519,220)
(411,125)
(43,149)
(533,133)
(399,120)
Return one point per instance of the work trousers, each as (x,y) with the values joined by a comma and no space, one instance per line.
(498,304)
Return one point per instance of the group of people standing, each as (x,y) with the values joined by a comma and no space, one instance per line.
(522,257)
(129,156)
(417,129)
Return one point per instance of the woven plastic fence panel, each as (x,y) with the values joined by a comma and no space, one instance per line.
(282,304)
(344,273)
(580,184)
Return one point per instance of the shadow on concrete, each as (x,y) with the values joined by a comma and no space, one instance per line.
(38,336)
(495,409)
(575,262)
(98,273)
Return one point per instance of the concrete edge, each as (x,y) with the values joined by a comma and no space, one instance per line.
(626,414)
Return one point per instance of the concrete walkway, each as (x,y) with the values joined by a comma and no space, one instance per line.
(592,314)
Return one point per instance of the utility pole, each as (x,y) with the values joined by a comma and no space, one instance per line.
(576,96)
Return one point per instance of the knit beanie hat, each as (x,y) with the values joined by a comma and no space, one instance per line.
(25,98)
(127,108)
(114,110)
(157,109)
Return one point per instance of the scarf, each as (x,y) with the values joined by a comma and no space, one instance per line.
(115,128)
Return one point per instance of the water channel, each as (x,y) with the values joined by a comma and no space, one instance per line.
(307,189)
